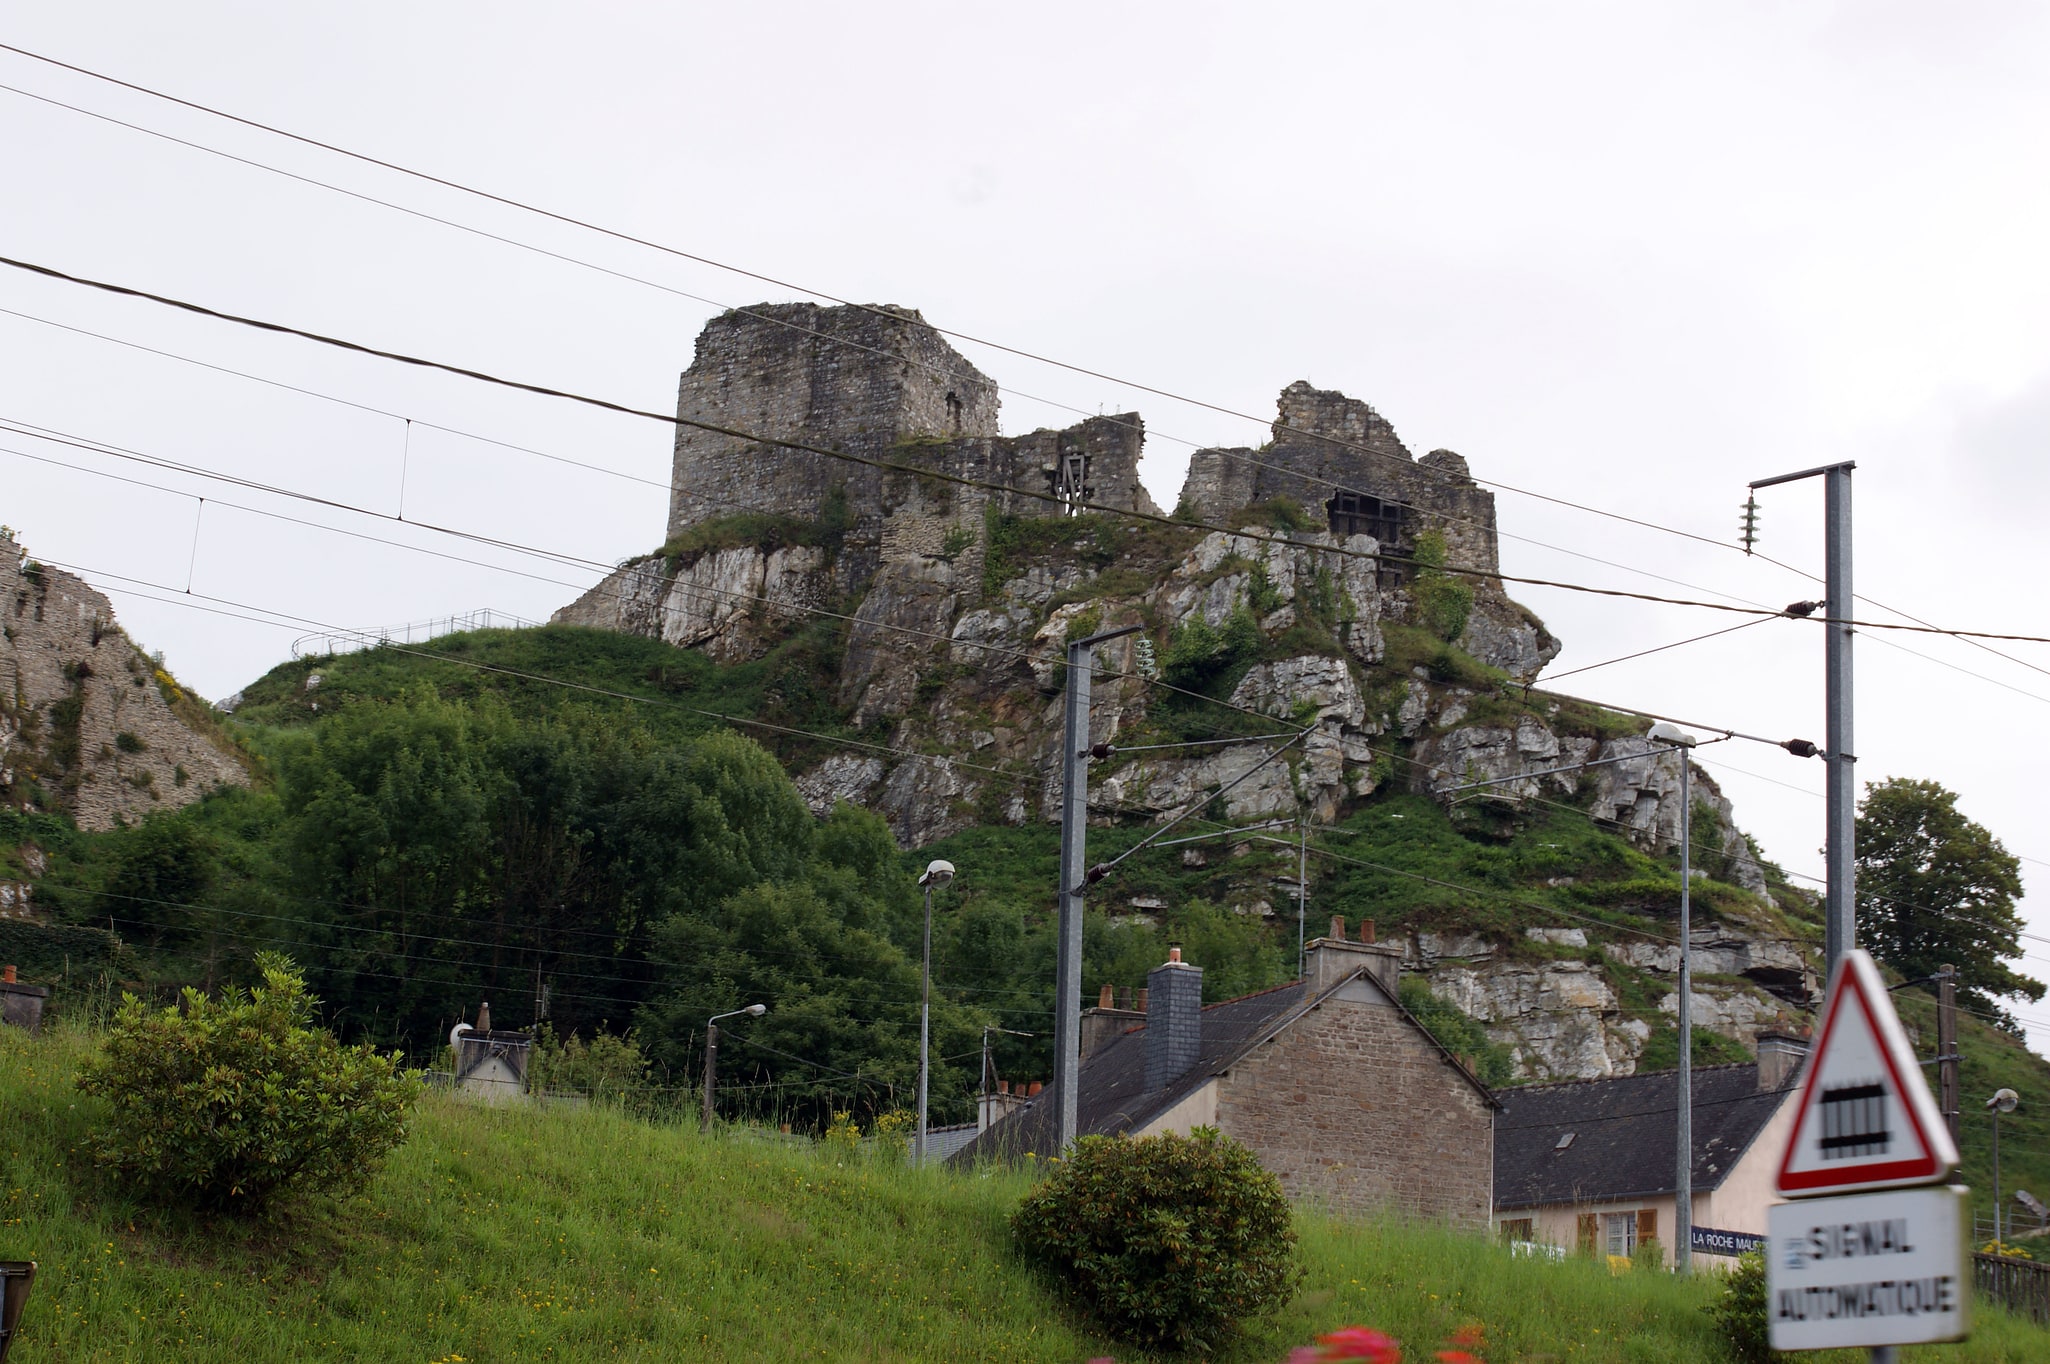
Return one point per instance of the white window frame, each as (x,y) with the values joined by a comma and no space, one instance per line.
(1619,1233)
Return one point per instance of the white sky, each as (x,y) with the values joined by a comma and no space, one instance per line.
(1624,254)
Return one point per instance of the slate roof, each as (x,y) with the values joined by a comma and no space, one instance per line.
(1624,1138)
(1113,1094)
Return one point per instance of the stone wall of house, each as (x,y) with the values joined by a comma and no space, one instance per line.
(85,713)
(1354,1108)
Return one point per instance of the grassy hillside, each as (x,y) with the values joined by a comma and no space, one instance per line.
(585,1234)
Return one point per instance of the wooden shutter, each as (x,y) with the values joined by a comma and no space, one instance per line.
(1587,1233)
(1647,1225)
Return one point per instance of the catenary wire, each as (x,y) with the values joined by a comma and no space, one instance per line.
(893,466)
(847,341)
(1005,652)
(585,225)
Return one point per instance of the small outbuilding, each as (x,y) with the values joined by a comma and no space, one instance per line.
(1591,1165)
(490,1065)
(21,1005)
(1329,1080)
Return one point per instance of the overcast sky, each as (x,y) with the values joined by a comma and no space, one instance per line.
(1627,255)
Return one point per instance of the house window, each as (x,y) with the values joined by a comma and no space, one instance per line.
(1516,1229)
(1620,1229)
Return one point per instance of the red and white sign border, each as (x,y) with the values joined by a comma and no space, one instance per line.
(1857,984)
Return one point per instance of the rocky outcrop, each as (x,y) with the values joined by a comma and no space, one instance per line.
(1312,588)
(732,602)
(1563,1016)
(89,717)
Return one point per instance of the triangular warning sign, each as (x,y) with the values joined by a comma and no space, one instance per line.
(1865,1118)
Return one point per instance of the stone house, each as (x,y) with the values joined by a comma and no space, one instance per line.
(1589,1165)
(1331,1082)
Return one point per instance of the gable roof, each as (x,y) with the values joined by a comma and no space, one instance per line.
(1113,1096)
(1623,1135)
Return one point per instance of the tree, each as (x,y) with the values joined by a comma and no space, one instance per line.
(1936,888)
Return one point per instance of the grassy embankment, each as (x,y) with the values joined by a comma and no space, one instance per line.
(586,1234)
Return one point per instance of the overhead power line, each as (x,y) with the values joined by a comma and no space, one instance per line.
(894,466)
(726,267)
(1243,456)
(1005,652)
(1748,547)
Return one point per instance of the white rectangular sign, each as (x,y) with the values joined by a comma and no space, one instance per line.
(1887,1268)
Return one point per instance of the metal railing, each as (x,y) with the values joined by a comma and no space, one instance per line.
(419,632)
(2021,1286)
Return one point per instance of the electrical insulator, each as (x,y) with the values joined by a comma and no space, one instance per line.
(1750,523)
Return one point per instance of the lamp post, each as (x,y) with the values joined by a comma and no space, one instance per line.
(2003,1101)
(712,1055)
(937,873)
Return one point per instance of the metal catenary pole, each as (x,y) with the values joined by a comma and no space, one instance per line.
(1843,784)
(1067,1008)
(1840,906)
(1948,1097)
(1683,1185)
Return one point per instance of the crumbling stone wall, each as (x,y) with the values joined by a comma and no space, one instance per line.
(1326,443)
(855,379)
(879,383)
(1354,1108)
(85,713)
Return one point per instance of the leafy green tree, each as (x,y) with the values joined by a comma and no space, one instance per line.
(1936,888)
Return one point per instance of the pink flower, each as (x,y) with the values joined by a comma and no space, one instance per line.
(1359,1342)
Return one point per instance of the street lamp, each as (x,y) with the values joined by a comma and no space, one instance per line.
(937,873)
(712,1054)
(2003,1101)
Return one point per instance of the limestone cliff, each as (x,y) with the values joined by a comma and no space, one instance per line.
(87,720)
(1314,582)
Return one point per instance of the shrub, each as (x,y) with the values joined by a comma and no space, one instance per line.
(1443,603)
(1167,1240)
(607,1067)
(1740,1311)
(227,1104)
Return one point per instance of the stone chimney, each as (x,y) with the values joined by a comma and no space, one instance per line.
(1329,960)
(1174,1019)
(1105,1021)
(1779,1060)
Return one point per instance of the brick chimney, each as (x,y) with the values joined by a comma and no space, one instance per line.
(1105,1021)
(1779,1059)
(1329,960)
(1174,1019)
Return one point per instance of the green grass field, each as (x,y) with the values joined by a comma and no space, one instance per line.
(535,1234)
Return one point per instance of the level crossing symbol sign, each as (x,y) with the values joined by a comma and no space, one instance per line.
(1865,1118)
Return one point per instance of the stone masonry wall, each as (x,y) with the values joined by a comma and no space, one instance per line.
(1354,1108)
(1325,442)
(86,713)
(855,379)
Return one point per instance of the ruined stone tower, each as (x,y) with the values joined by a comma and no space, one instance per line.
(856,379)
